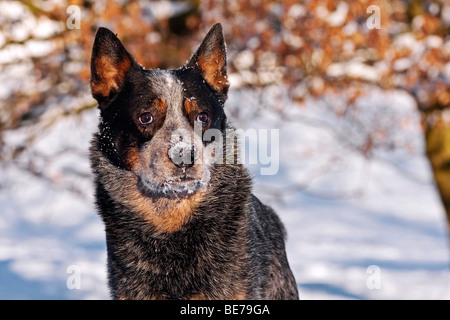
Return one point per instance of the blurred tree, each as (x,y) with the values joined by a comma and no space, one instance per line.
(154,32)
(333,48)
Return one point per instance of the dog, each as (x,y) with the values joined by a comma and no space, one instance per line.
(177,227)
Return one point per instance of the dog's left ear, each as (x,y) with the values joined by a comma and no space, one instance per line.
(210,60)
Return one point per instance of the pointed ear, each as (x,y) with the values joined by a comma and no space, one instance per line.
(110,63)
(210,60)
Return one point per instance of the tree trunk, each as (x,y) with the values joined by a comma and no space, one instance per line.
(437,137)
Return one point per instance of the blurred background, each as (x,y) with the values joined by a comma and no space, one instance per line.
(359,91)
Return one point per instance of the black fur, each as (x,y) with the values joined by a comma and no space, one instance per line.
(230,246)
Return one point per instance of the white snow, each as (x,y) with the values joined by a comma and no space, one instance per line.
(335,18)
(163,9)
(244,60)
(296,11)
(354,68)
(169,80)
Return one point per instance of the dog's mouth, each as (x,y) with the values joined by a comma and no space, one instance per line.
(173,188)
(158,176)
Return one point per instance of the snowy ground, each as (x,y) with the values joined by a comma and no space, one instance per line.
(358,228)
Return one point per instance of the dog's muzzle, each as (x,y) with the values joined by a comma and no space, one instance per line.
(183,154)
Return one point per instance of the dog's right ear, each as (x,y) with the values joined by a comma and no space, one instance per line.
(210,60)
(110,63)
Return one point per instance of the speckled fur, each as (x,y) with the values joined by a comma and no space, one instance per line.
(220,242)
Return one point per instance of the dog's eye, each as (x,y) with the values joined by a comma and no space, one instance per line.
(203,117)
(145,118)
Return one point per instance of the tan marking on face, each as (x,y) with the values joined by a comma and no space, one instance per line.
(111,75)
(191,106)
(157,108)
(192,109)
(160,106)
(131,158)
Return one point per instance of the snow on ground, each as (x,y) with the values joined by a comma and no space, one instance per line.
(358,228)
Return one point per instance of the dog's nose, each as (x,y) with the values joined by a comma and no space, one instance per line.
(182,154)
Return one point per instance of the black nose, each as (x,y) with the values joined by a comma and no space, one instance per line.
(183,155)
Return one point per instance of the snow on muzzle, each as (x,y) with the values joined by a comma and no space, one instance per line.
(183,154)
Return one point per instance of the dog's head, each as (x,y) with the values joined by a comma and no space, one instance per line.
(148,117)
